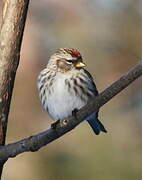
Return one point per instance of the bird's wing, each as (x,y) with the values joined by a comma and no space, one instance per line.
(93,120)
(92,84)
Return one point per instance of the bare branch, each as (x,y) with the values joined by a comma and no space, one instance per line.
(34,143)
(14,16)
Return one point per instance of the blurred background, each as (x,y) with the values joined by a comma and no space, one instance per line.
(109,35)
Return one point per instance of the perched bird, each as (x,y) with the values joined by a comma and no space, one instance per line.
(64,86)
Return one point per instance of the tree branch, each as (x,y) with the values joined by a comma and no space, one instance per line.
(13,22)
(34,143)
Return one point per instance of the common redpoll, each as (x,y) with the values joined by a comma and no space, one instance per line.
(64,85)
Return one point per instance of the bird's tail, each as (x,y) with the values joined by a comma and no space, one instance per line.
(97,126)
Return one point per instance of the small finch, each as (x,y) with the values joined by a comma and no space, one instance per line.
(65,86)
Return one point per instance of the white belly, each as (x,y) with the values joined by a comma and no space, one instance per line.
(61,102)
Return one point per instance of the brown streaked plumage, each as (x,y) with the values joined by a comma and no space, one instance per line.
(64,85)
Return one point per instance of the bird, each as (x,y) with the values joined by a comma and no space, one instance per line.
(65,85)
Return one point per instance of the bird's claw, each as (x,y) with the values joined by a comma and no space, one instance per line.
(74,112)
(54,125)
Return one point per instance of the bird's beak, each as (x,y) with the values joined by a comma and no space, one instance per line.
(80,64)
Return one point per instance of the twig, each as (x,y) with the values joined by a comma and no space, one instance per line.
(34,143)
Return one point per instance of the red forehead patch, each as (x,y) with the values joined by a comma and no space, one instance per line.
(74,52)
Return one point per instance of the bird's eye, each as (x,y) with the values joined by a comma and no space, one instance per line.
(70,61)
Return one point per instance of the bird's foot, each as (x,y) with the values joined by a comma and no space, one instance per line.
(74,112)
(54,125)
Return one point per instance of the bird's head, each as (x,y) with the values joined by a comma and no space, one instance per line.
(67,59)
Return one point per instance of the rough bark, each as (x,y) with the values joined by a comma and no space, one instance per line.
(34,143)
(13,21)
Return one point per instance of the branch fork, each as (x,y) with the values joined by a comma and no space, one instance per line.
(34,143)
